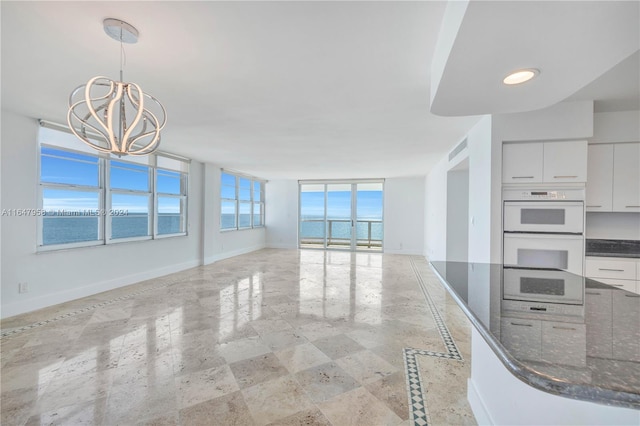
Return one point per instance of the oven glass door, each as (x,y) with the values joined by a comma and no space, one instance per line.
(544,251)
(544,216)
(543,286)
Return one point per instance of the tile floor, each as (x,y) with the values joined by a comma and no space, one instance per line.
(285,337)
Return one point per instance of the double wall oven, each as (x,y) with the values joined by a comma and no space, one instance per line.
(543,232)
(544,228)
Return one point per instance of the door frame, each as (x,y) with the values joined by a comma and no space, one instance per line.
(353,247)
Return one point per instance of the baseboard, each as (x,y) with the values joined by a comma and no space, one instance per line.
(477,405)
(282,246)
(404,251)
(227,254)
(21,307)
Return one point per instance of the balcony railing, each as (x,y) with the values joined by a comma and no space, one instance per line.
(338,232)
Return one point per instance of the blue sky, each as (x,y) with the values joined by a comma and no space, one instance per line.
(339,204)
(82,170)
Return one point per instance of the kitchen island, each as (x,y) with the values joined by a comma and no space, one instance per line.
(548,347)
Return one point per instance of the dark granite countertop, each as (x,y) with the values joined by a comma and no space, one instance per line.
(613,248)
(558,332)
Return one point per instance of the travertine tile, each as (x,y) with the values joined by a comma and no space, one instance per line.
(275,336)
(325,381)
(301,357)
(203,385)
(358,407)
(226,410)
(275,400)
(257,370)
(337,346)
(365,366)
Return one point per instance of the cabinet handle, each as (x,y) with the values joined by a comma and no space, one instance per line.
(632,207)
(521,325)
(617,285)
(593,206)
(613,270)
(564,177)
(594,293)
(632,295)
(563,328)
(521,177)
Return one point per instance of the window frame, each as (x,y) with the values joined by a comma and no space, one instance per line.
(105,199)
(238,202)
(182,196)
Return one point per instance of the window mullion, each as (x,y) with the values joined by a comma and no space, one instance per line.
(107,201)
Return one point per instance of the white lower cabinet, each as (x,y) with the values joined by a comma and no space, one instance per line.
(522,337)
(564,343)
(549,341)
(626,326)
(617,272)
(598,306)
(613,319)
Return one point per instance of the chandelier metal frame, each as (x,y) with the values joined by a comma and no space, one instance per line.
(112,116)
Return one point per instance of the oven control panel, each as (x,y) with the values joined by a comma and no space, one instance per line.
(530,194)
(542,308)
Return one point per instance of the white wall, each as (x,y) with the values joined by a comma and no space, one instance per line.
(566,120)
(219,244)
(435,211)
(481,211)
(485,175)
(621,126)
(282,214)
(404,215)
(62,275)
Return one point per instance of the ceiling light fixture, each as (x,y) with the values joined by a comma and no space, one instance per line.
(114,116)
(520,76)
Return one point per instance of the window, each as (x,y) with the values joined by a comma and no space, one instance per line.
(241,202)
(171,189)
(90,199)
(130,198)
(71,196)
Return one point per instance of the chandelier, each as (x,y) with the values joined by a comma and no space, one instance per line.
(114,116)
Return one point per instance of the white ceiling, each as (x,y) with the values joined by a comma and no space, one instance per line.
(273,89)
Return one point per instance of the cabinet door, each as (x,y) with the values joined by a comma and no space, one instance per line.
(626,333)
(600,178)
(626,177)
(599,318)
(522,162)
(610,268)
(565,161)
(522,337)
(628,285)
(564,343)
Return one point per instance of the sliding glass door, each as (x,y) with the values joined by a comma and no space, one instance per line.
(343,215)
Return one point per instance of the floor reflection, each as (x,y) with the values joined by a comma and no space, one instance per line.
(276,335)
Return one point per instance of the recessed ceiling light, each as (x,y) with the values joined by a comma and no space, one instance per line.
(520,76)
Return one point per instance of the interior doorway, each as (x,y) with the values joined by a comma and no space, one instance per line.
(458,212)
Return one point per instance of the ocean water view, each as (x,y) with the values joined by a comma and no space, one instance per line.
(74,229)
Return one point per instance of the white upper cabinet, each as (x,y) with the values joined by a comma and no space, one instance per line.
(538,162)
(522,162)
(600,178)
(626,177)
(565,161)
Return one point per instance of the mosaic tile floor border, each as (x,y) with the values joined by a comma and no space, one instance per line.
(17,330)
(418,409)
(419,414)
